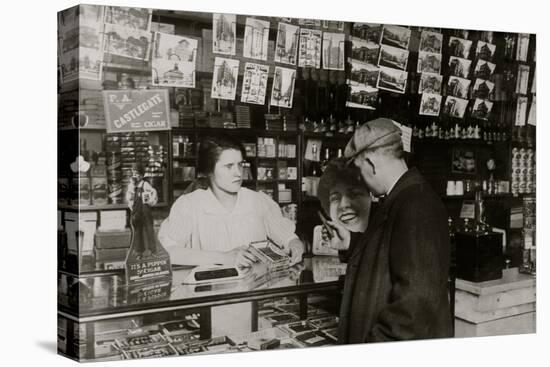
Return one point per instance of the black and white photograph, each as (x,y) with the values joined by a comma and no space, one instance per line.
(522,79)
(256,35)
(459,47)
(532,117)
(310,48)
(521,111)
(370,32)
(464,161)
(396,36)
(282,93)
(254,83)
(484,69)
(431,42)
(365,51)
(485,51)
(207,190)
(127,42)
(286,47)
(224,79)
(430,104)
(224,34)
(458,87)
(482,89)
(174,59)
(363,73)
(392,80)
(134,18)
(393,57)
(481,109)
(333,25)
(430,83)
(486,36)
(333,51)
(522,46)
(455,107)
(459,67)
(429,62)
(363,97)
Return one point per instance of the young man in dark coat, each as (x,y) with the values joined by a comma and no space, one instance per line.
(396,280)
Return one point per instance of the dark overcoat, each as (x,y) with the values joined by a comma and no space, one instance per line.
(396,281)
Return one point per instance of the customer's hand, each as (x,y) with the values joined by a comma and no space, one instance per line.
(341,238)
(297,249)
(242,257)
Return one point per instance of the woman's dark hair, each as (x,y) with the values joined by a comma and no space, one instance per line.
(211,148)
(337,172)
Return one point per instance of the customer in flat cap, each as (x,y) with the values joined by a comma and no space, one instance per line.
(396,280)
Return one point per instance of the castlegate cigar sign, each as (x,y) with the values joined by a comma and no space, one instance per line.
(136,110)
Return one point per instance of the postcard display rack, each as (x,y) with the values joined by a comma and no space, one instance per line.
(142,87)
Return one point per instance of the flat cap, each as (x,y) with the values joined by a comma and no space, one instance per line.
(372,134)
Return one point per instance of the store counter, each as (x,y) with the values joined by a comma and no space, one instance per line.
(88,303)
(497,307)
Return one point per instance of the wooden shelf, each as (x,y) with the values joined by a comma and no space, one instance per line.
(84,208)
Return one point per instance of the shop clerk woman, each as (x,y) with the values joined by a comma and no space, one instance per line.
(215,225)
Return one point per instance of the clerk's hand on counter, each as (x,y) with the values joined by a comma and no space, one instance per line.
(242,257)
(297,249)
(341,238)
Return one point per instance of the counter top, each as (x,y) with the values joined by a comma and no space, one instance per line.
(510,280)
(105,296)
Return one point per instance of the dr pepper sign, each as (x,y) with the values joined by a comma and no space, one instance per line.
(136,110)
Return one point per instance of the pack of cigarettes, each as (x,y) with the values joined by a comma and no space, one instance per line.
(153,351)
(296,328)
(281,318)
(270,254)
(141,340)
(325,322)
(314,339)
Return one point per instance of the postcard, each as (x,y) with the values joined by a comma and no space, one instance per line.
(458,87)
(283,87)
(362,96)
(428,62)
(364,51)
(521,111)
(482,89)
(392,80)
(459,47)
(333,51)
(370,32)
(396,36)
(310,48)
(430,104)
(224,34)
(256,37)
(83,63)
(224,79)
(459,67)
(173,73)
(532,119)
(523,47)
(522,80)
(430,83)
(127,42)
(481,109)
(393,57)
(176,48)
(484,69)
(134,18)
(333,24)
(286,48)
(254,83)
(363,73)
(455,107)
(485,51)
(431,42)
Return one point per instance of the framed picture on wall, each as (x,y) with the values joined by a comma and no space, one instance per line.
(463,161)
